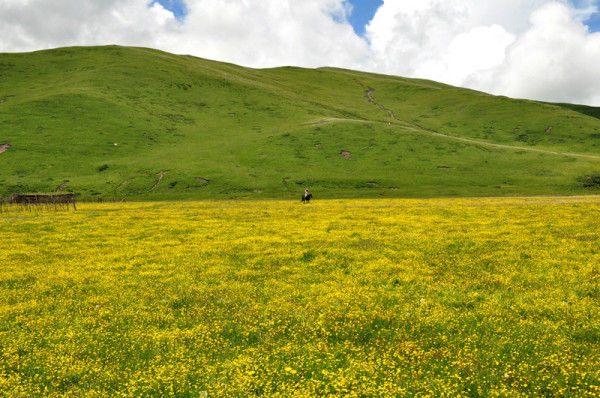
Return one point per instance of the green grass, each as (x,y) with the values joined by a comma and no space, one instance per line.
(105,121)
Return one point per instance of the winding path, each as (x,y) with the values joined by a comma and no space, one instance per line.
(369,95)
(160,175)
(423,130)
(327,120)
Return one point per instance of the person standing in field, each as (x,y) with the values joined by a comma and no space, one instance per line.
(307,196)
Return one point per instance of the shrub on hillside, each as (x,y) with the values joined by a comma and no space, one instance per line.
(590,181)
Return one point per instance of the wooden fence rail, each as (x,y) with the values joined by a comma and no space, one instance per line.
(43,198)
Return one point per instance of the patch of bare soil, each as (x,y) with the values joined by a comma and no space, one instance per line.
(62,186)
(160,175)
(4,147)
(121,185)
(549,129)
(369,96)
(200,179)
(5,98)
(345,154)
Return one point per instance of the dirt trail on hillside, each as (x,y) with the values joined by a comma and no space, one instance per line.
(423,130)
(369,95)
(160,175)
(61,186)
(326,120)
(121,185)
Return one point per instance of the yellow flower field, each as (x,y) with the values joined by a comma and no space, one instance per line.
(360,298)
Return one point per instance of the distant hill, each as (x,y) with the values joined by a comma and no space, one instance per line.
(118,122)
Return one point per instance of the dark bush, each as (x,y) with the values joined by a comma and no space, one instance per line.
(590,181)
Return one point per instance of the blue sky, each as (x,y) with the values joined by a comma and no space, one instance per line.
(362,12)
(177,7)
(594,22)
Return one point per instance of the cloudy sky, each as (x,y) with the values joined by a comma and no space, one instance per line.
(539,49)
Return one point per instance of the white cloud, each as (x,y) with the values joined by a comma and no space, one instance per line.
(527,48)
(36,24)
(253,33)
(536,49)
(439,40)
(271,32)
(556,60)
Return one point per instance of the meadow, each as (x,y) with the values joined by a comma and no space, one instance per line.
(389,297)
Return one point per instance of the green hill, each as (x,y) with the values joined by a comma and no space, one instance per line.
(118,122)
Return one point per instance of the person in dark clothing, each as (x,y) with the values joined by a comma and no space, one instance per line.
(307,196)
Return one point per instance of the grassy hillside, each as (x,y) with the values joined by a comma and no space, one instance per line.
(118,122)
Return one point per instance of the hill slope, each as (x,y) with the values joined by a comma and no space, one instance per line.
(119,122)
